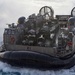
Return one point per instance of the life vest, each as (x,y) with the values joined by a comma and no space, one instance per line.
(12,40)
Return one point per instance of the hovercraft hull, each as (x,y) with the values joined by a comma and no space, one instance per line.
(34,59)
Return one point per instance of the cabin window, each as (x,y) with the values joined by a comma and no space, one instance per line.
(9,31)
(13,32)
(6,31)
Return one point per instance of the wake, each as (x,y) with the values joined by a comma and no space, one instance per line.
(6,69)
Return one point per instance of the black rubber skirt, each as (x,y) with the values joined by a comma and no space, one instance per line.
(35,60)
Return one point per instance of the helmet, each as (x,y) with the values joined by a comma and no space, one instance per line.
(21,20)
(71,20)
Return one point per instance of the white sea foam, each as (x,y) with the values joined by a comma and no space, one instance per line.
(6,68)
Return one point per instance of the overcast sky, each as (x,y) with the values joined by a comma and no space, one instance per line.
(11,10)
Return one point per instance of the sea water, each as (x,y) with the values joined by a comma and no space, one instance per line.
(6,69)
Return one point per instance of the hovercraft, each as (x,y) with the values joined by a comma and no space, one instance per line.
(40,41)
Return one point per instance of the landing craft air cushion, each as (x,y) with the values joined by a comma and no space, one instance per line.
(41,40)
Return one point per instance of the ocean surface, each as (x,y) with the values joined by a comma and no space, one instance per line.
(6,69)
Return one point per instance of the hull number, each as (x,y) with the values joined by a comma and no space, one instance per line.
(28,48)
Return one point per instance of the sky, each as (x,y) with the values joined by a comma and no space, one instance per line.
(11,10)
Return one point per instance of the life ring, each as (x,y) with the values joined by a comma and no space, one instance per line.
(12,39)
